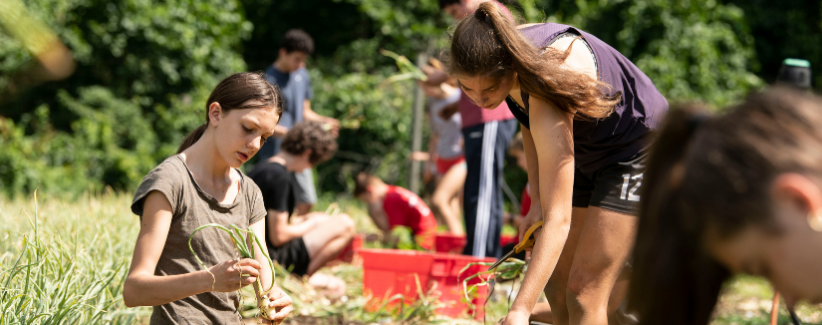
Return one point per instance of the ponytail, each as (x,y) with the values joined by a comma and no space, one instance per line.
(192,137)
(542,75)
(674,281)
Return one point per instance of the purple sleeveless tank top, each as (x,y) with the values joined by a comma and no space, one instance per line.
(627,131)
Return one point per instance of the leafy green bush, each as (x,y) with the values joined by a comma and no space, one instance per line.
(691,49)
(111,143)
(145,48)
(145,68)
(157,61)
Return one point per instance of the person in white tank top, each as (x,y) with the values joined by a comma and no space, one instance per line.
(445,161)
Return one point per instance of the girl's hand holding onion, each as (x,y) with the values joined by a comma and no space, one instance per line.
(233,274)
(279,304)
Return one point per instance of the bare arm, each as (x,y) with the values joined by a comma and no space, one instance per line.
(435,77)
(310,115)
(143,288)
(279,131)
(280,231)
(554,174)
(532,162)
(378,217)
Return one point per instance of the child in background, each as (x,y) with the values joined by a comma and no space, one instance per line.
(307,244)
(392,206)
(199,185)
(445,152)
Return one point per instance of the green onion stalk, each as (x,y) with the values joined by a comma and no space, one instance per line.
(510,269)
(246,251)
(407,69)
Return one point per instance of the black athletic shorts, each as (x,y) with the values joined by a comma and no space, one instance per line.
(293,256)
(614,187)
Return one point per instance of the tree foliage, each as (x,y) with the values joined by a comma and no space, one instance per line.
(692,49)
(139,64)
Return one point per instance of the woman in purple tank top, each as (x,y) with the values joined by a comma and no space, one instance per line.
(587,114)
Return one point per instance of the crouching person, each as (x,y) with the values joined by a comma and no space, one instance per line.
(393,206)
(306,245)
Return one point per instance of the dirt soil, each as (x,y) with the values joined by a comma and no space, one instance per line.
(307,320)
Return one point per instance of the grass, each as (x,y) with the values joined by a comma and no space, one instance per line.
(747,301)
(64,262)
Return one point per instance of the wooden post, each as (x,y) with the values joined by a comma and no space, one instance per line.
(416,130)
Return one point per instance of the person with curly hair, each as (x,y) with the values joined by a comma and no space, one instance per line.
(303,245)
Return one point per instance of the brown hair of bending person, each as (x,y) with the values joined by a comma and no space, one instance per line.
(488,44)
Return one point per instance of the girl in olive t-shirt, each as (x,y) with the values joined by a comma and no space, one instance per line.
(201,185)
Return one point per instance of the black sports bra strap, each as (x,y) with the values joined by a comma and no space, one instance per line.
(525,97)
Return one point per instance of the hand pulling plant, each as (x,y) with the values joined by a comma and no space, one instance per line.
(246,251)
(511,269)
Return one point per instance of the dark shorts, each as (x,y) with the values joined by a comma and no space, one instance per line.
(293,256)
(614,187)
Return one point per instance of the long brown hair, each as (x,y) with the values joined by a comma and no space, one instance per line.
(713,175)
(488,44)
(233,93)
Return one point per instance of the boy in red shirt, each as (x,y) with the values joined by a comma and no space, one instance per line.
(391,206)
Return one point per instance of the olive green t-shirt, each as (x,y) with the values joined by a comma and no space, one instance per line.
(192,207)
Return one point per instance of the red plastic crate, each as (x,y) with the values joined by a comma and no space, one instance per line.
(350,252)
(507,239)
(445,272)
(388,272)
(449,243)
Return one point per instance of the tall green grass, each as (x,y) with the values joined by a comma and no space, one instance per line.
(65,262)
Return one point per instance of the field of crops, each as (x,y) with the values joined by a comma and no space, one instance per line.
(64,261)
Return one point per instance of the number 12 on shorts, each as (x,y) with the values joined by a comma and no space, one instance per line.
(630,193)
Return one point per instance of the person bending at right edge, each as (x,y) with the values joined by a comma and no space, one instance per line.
(289,73)
(586,131)
(304,247)
(735,193)
(486,134)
